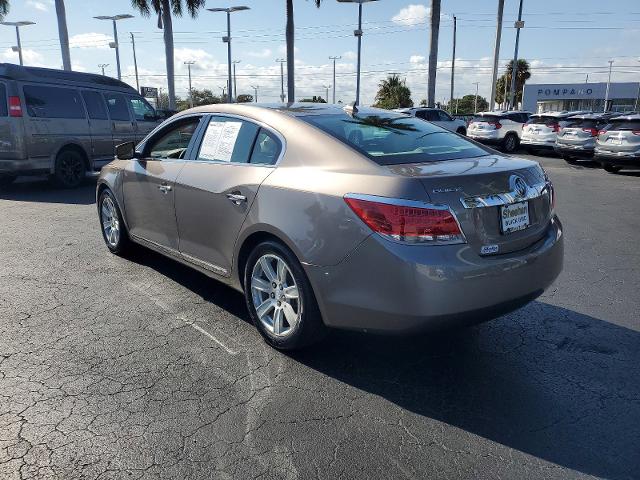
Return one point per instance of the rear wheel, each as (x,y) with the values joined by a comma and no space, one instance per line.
(7,180)
(280,299)
(611,168)
(510,143)
(70,169)
(114,232)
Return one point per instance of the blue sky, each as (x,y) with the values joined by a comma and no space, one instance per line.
(564,41)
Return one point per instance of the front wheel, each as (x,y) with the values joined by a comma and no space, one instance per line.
(510,143)
(113,228)
(280,299)
(611,168)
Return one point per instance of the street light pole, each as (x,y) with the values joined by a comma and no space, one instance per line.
(358,33)
(102,65)
(475,101)
(235,84)
(281,62)
(227,40)
(18,25)
(453,63)
(514,69)
(334,77)
(326,88)
(114,19)
(188,64)
(635,107)
(606,95)
(255,92)
(135,61)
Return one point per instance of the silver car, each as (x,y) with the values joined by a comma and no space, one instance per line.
(360,219)
(541,130)
(618,143)
(577,139)
(437,117)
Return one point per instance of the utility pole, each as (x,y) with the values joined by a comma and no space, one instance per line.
(18,25)
(496,55)
(475,101)
(63,34)
(606,94)
(188,64)
(255,92)
(281,62)
(135,61)
(327,87)
(334,77)
(102,65)
(514,69)
(635,107)
(453,63)
(433,52)
(235,85)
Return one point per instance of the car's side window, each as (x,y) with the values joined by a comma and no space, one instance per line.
(53,102)
(173,141)
(421,114)
(266,149)
(142,110)
(95,105)
(117,106)
(444,116)
(4,111)
(228,139)
(432,116)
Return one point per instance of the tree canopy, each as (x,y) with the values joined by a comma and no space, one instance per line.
(393,93)
(522,75)
(466,105)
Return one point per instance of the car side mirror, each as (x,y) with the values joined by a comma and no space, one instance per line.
(151,117)
(126,151)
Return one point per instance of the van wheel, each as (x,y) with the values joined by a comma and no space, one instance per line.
(279,298)
(7,180)
(510,143)
(611,168)
(70,169)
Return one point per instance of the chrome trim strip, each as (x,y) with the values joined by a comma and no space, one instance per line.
(506,198)
(180,256)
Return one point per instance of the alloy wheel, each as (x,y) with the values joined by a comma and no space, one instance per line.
(71,169)
(110,222)
(275,295)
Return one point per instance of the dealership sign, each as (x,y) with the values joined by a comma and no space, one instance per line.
(565,92)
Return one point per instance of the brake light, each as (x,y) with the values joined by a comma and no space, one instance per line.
(497,125)
(555,127)
(406,221)
(636,132)
(592,131)
(15,108)
(601,132)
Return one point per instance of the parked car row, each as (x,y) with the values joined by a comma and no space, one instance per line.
(438,117)
(65,124)
(500,128)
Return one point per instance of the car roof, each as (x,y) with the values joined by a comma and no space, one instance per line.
(62,77)
(502,112)
(592,116)
(634,116)
(298,109)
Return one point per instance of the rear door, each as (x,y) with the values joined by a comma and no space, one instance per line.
(11,129)
(144,115)
(445,121)
(123,127)
(55,116)
(149,183)
(102,150)
(214,192)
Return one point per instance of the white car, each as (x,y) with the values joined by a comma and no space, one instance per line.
(437,117)
(541,131)
(502,128)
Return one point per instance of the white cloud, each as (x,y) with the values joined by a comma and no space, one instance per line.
(350,55)
(417,59)
(283,49)
(411,15)
(30,57)
(265,53)
(38,5)
(90,40)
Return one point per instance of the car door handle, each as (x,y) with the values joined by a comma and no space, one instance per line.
(164,188)
(236,198)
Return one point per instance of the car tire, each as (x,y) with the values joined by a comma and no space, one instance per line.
(70,169)
(6,180)
(611,168)
(291,320)
(462,132)
(510,143)
(114,231)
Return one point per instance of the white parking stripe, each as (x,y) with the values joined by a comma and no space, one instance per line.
(207,334)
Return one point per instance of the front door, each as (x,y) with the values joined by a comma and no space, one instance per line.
(144,115)
(123,128)
(149,184)
(214,192)
(102,151)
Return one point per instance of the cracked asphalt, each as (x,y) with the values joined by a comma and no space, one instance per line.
(120,369)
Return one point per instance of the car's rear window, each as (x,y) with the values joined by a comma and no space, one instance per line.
(623,125)
(582,123)
(543,120)
(392,139)
(53,102)
(3,100)
(487,118)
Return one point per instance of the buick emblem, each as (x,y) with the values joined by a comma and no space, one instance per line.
(518,186)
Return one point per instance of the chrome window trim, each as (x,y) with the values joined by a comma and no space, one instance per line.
(416,204)
(505,198)
(259,123)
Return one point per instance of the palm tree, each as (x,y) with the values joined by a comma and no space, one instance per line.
(291,86)
(433,52)
(164,9)
(393,93)
(63,34)
(522,75)
(4,8)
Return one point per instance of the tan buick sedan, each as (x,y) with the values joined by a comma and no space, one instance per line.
(329,217)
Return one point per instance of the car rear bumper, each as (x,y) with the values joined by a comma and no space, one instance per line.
(488,139)
(537,144)
(393,288)
(576,150)
(618,158)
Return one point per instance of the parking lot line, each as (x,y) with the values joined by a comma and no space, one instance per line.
(230,351)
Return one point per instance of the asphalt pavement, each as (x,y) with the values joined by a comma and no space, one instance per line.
(123,369)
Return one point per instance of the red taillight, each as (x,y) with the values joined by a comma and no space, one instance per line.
(555,127)
(636,132)
(497,125)
(601,132)
(15,108)
(406,221)
(592,131)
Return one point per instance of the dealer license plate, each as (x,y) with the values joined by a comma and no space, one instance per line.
(514,217)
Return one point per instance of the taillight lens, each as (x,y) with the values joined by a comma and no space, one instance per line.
(601,132)
(407,221)
(15,107)
(592,131)
(555,127)
(636,132)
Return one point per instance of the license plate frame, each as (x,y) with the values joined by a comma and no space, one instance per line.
(514,217)
(616,141)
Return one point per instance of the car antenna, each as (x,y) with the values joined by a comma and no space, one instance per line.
(351,109)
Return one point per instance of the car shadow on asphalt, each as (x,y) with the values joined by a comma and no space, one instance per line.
(41,190)
(547,381)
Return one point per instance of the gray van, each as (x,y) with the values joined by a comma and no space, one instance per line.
(65,124)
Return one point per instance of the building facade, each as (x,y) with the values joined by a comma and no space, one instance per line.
(548,97)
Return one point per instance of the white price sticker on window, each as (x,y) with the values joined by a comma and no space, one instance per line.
(220,140)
